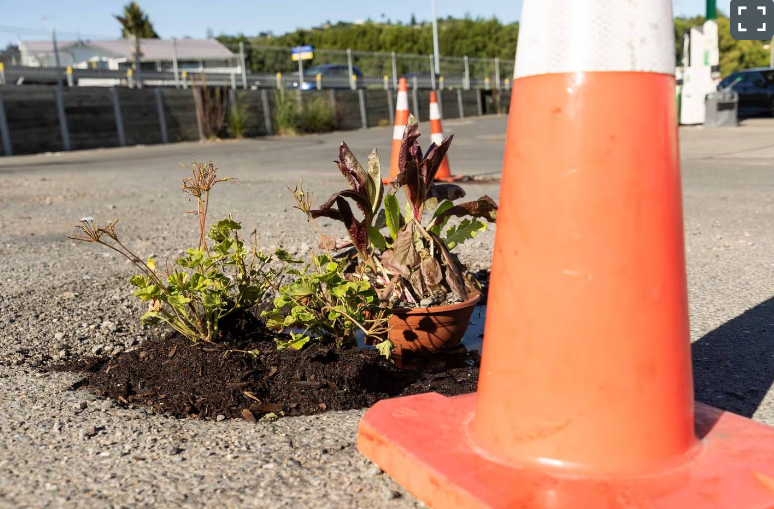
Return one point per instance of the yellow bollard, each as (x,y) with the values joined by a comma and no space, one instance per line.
(386,82)
(354,81)
(279,80)
(319,81)
(440,79)
(486,82)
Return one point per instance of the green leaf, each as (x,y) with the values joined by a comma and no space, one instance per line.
(300,288)
(210,300)
(275,323)
(284,256)
(150,318)
(341,290)
(305,317)
(377,239)
(221,230)
(147,293)
(140,281)
(193,259)
(467,229)
(178,300)
(198,283)
(392,214)
(443,207)
(385,348)
(223,247)
(296,342)
(281,302)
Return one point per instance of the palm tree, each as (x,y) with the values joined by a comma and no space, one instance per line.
(136,23)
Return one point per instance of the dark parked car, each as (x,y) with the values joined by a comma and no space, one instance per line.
(755,88)
(332,75)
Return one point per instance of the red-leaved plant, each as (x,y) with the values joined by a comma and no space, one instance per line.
(410,264)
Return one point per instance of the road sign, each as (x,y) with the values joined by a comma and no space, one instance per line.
(302,53)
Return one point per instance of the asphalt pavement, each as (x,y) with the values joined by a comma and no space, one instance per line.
(65,448)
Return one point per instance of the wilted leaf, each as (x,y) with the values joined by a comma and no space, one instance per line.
(449,192)
(418,283)
(454,277)
(385,348)
(432,273)
(375,174)
(248,415)
(389,263)
(349,166)
(485,207)
(404,251)
(333,243)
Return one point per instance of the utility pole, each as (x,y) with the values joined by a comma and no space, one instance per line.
(436,54)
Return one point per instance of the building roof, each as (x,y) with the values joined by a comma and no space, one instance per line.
(151,49)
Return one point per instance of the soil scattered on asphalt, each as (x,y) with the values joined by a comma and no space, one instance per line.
(245,376)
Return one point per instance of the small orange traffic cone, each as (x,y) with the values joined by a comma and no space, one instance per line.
(401,118)
(585,391)
(436,136)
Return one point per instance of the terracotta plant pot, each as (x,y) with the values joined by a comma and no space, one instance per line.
(431,330)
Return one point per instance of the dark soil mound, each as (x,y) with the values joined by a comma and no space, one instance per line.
(245,376)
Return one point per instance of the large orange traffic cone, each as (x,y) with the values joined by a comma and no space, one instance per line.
(436,136)
(401,118)
(585,391)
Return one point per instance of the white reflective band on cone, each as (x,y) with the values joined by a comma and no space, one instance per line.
(402,101)
(397,132)
(435,113)
(625,35)
(436,138)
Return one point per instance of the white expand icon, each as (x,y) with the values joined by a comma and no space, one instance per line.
(741,8)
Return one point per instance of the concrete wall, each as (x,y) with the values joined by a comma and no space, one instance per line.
(34,125)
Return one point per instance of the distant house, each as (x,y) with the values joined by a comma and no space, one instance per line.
(193,55)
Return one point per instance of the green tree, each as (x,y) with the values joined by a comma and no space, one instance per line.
(135,22)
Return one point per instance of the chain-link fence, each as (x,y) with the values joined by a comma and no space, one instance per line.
(81,60)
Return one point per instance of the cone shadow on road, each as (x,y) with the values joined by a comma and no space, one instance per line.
(733,366)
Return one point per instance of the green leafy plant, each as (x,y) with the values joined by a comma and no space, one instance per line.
(411,263)
(237,120)
(209,282)
(287,117)
(317,116)
(323,303)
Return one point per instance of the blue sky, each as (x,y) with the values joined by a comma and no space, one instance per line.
(179,18)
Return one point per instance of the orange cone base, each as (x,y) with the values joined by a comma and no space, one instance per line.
(422,442)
